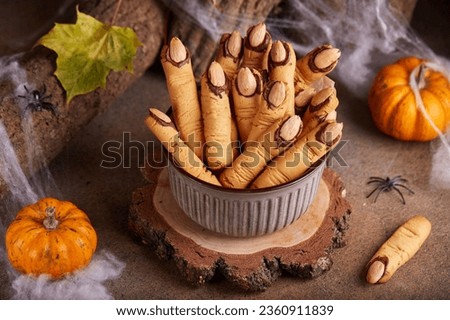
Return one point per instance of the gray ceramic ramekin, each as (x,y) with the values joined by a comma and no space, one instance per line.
(243,213)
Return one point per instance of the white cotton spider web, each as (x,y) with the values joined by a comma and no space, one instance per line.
(88,283)
(369,33)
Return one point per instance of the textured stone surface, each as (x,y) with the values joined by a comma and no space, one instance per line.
(105,194)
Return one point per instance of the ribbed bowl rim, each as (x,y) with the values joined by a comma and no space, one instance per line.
(285,185)
(282,186)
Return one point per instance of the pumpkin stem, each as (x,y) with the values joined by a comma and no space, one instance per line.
(50,222)
(420,79)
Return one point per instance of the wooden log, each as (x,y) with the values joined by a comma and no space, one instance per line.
(302,249)
(146,17)
(227,15)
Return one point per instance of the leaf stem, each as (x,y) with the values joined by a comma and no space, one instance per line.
(116,12)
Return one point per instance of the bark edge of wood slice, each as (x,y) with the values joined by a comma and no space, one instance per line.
(198,258)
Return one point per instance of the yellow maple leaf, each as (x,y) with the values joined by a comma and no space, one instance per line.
(87,51)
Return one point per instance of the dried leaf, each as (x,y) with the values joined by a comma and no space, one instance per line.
(87,51)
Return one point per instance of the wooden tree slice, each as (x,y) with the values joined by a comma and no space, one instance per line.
(302,249)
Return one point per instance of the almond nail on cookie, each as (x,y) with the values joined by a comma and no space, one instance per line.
(258,153)
(257,44)
(322,104)
(246,91)
(229,53)
(182,88)
(272,107)
(302,154)
(315,64)
(282,63)
(164,130)
(398,249)
(217,120)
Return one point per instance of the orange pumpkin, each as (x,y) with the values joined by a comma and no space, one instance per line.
(393,105)
(50,237)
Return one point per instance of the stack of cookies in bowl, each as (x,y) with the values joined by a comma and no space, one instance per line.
(247,149)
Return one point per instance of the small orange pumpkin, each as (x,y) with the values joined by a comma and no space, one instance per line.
(394,107)
(50,237)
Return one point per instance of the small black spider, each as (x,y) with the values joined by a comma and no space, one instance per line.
(388,184)
(37,100)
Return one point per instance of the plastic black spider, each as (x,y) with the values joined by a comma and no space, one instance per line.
(388,184)
(37,100)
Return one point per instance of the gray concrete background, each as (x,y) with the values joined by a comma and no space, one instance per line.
(105,195)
